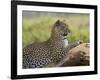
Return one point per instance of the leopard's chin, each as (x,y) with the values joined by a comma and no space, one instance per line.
(64,37)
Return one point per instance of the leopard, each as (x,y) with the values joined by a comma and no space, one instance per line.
(48,53)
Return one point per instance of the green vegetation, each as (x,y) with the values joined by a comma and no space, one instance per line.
(38,29)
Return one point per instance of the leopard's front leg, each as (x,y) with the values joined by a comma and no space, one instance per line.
(72,45)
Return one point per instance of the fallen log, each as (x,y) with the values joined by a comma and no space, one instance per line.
(78,56)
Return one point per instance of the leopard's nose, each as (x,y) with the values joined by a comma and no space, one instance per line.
(65,34)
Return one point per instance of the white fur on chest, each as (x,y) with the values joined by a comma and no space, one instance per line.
(65,42)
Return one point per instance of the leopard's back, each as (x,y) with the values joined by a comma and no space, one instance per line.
(36,55)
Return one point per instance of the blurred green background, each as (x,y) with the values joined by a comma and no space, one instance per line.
(37,26)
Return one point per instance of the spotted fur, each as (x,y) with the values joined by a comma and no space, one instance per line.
(43,54)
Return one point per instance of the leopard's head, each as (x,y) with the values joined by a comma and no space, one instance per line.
(60,29)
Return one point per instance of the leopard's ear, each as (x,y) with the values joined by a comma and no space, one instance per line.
(57,22)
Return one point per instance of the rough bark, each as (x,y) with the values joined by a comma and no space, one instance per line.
(78,56)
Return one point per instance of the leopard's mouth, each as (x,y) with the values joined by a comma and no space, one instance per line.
(64,36)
